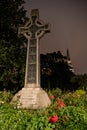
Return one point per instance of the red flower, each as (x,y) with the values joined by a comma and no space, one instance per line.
(53,119)
(52,97)
(44,113)
(59,107)
(61,104)
(49,96)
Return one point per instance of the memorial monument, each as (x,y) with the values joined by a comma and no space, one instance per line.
(32,96)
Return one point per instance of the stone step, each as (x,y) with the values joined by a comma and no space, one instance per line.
(30,91)
(28,98)
(28,94)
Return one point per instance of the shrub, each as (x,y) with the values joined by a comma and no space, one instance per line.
(72,118)
(5,96)
(67,112)
(67,117)
(55,93)
(79,92)
(18,119)
(72,99)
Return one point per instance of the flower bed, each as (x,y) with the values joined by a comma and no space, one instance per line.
(63,114)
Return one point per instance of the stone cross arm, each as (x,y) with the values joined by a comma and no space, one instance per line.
(27,32)
(34,28)
(22,30)
(45,28)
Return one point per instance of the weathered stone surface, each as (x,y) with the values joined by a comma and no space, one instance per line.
(31,98)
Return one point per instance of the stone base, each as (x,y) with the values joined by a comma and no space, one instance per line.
(31,98)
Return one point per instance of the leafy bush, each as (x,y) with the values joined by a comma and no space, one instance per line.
(72,118)
(80,92)
(67,112)
(18,119)
(5,96)
(67,117)
(73,99)
(55,93)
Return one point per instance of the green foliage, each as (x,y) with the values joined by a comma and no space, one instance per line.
(72,118)
(8,65)
(80,92)
(57,92)
(72,114)
(80,81)
(12,15)
(5,96)
(55,71)
(18,119)
(73,99)
(12,50)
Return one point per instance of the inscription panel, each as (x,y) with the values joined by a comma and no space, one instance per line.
(32,59)
(32,50)
(32,73)
(32,62)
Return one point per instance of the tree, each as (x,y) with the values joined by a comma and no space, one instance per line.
(80,81)
(12,51)
(55,72)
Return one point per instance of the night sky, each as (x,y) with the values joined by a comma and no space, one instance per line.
(68,19)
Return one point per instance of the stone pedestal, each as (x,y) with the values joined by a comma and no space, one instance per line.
(31,98)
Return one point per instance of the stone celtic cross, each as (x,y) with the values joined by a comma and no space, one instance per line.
(33,30)
(32,96)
